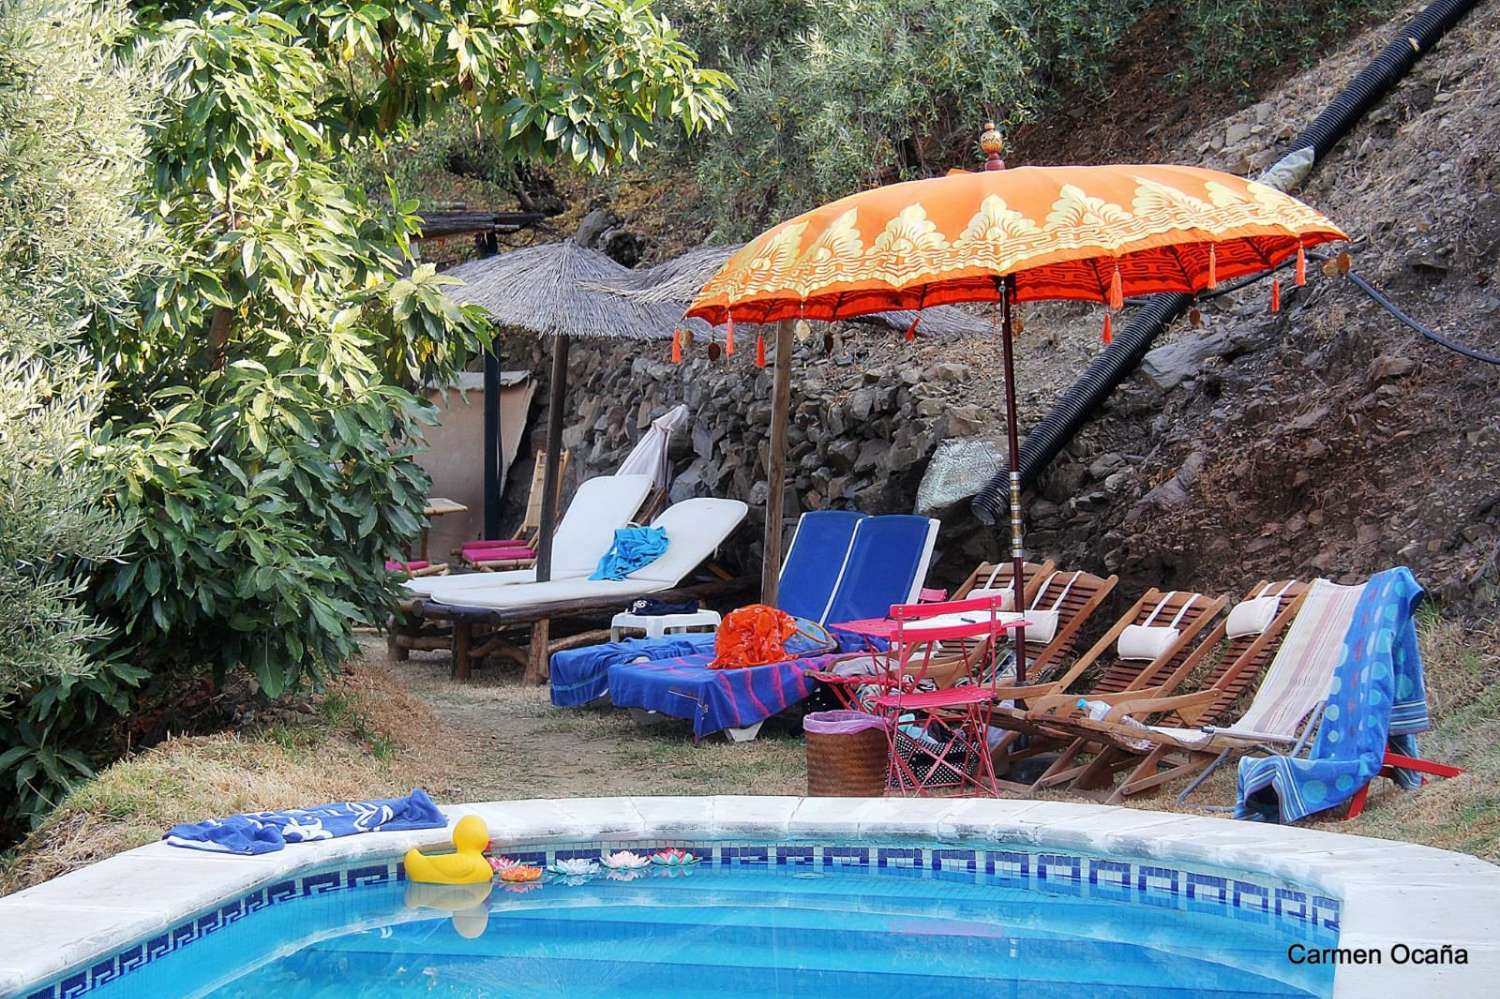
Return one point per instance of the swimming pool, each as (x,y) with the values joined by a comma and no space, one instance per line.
(789,897)
(763,919)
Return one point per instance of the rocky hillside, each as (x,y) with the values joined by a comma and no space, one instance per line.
(1327,439)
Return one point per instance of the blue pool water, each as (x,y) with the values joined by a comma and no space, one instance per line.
(732,929)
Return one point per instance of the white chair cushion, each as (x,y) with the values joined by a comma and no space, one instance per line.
(538,594)
(431,586)
(1144,641)
(1251,617)
(695,527)
(1041,626)
(586,531)
(1007,595)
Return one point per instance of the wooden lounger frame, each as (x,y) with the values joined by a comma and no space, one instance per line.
(474,633)
(1121,679)
(1240,663)
(531,522)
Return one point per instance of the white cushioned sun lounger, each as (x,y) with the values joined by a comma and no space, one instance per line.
(695,528)
(584,534)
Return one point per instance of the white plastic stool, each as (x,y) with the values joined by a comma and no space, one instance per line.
(657,625)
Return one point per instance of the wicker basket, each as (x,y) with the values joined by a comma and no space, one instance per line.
(846,765)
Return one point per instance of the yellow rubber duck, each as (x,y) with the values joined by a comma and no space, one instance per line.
(467,865)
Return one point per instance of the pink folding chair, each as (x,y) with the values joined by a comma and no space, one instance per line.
(938,729)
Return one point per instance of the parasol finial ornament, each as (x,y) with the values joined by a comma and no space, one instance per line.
(993,144)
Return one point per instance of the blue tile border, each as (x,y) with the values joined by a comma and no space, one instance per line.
(1127,881)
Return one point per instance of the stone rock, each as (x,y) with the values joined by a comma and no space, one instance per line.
(1311,418)
(1167,367)
(1102,466)
(862,404)
(842,454)
(964,421)
(1390,366)
(871,454)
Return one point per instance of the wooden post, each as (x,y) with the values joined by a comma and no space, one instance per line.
(492,469)
(536,666)
(781,401)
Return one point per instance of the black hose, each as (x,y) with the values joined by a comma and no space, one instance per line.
(1384,72)
(1047,439)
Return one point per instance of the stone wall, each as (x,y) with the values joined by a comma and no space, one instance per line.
(867,413)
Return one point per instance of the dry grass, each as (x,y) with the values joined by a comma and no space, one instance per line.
(383,730)
(354,743)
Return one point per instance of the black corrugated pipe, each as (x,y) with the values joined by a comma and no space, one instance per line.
(1047,439)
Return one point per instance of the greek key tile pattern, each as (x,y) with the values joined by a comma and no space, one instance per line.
(1146,883)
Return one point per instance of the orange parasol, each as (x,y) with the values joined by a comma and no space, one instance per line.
(1090,233)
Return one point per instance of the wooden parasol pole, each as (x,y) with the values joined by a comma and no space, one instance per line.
(1013,437)
(781,399)
(536,664)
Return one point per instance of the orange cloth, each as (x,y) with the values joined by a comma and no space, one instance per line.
(752,636)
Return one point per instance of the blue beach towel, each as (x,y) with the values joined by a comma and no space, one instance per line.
(267,832)
(634,548)
(578,676)
(1377,696)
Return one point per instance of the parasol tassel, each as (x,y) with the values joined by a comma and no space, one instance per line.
(911,331)
(1116,290)
(729,336)
(1275,294)
(1109,333)
(677,346)
(1213,267)
(760,350)
(1301,266)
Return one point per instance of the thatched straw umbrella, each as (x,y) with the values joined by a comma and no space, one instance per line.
(677,282)
(551,289)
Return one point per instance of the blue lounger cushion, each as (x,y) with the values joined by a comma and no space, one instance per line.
(713,699)
(887,565)
(815,561)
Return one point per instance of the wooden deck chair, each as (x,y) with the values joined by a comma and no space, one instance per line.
(1281,717)
(518,552)
(996,576)
(1242,658)
(1118,678)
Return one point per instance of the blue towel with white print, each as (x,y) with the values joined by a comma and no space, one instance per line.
(1376,698)
(267,832)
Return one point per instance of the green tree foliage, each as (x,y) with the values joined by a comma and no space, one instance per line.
(255,327)
(840,95)
(71,248)
(265,413)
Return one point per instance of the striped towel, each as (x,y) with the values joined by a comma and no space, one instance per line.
(1377,695)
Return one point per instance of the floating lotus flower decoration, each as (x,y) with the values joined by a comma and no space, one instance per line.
(578,867)
(631,874)
(520,873)
(673,857)
(498,864)
(625,860)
